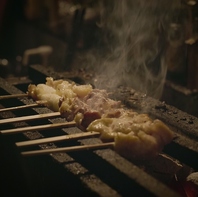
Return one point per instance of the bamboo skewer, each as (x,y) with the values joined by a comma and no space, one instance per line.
(37,104)
(69,149)
(58,138)
(19,107)
(13,96)
(32,117)
(38,128)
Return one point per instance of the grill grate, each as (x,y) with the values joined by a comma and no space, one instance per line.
(100,172)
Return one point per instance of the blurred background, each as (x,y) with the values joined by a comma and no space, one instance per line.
(149,46)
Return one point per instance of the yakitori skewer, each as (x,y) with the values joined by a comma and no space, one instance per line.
(38,127)
(13,96)
(32,117)
(68,149)
(58,138)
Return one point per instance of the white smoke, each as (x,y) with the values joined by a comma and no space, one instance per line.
(133,43)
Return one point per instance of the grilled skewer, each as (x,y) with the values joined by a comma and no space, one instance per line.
(127,129)
(69,149)
(58,138)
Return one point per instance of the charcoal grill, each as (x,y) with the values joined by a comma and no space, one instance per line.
(92,173)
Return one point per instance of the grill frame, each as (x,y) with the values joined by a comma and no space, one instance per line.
(92,183)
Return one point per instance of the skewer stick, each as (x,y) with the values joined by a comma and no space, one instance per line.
(33,117)
(13,96)
(69,149)
(58,138)
(19,107)
(37,104)
(38,128)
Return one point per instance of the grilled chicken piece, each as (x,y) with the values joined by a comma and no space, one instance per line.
(136,136)
(54,92)
(67,89)
(86,109)
(43,92)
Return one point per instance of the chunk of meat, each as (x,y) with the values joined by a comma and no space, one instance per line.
(136,136)
(42,92)
(91,107)
(54,92)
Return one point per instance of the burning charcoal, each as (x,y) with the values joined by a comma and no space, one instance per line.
(191,185)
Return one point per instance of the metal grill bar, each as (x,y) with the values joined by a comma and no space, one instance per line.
(101,164)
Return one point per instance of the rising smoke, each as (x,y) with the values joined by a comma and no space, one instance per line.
(131,52)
